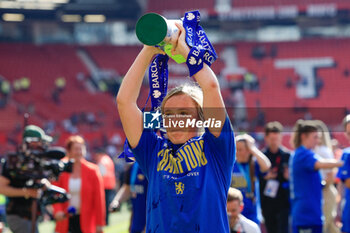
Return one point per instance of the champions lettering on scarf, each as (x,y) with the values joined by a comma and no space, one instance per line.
(187,158)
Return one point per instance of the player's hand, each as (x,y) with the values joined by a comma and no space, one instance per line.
(59,216)
(179,43)
(248,139)
(340,163)
(152,50)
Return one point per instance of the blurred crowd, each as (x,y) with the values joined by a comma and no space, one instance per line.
(273,189)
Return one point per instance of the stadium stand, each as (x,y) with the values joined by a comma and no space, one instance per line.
(300,3)
(43,64)
(184,5)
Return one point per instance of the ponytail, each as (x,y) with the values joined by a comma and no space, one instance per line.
(302,127)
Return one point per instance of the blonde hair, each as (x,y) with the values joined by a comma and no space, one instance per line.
(234,195)
(325,135)
(193,91)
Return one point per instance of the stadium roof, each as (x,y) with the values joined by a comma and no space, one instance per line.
(54,9)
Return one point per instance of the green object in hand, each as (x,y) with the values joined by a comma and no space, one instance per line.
(155,30)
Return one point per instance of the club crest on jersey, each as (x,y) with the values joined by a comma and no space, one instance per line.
(179,187)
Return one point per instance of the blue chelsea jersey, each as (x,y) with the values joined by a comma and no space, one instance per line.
(241,180)
(305,188)
(187,188)
(344,174)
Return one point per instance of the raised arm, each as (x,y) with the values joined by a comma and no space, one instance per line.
(262,160)
(130,114)
(213,104)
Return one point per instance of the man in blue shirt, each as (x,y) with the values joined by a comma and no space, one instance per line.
(344,175)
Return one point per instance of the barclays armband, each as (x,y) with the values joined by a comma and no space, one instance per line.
(195,60)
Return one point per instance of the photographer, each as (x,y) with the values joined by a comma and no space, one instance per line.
(21,199)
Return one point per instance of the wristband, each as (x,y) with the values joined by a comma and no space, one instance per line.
(195,60)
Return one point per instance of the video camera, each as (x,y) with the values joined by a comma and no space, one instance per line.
(37,167)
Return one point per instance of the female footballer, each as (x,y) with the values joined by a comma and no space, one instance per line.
(305,178)
(189,172)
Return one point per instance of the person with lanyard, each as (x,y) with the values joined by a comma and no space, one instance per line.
(305,178)
(238,223)
(274,186)
(344,176)
(85,211)
(19,215)
(135,186)
(250,163)
(188,172)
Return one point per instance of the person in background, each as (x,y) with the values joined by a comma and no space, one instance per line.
(274,186)
(21,200)
(85,211)
(305,178)
(329,192)
(344,175)
(238,223)
(135,186)
(106,166)
(250,162)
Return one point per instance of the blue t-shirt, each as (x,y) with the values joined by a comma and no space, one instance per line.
(241,180)
(344,174)
(187,190)
(305,188)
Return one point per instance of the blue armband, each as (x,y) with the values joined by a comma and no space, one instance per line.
(195,60)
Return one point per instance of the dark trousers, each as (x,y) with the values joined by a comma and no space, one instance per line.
(276,221)
(74,224)
(109,196)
